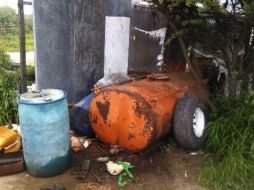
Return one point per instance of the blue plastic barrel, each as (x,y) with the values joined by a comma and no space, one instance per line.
(44,122)
(79,116)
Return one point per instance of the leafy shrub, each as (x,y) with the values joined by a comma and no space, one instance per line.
(8,15)
(4,59)
(8,90)
(30,73)
(231,145)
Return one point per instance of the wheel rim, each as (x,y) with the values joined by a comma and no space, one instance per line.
(199,122)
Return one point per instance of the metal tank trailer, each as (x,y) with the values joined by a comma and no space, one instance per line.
(136,113)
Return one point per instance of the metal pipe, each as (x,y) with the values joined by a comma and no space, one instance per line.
(27,3)
(22,43)
(119,83)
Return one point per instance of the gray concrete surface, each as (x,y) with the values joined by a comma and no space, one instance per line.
(119,8)
(88,63)
(143,49)
(69,39)
(53,32)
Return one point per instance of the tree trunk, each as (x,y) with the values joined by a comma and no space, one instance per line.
(245,82)
(232,80)
(232,74)
(247,69)
(187,58)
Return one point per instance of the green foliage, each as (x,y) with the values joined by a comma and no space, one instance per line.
(8,90)
(30,73)
(11,42)
(8,16)
(221,29)
(231,145)
(9,31)
(28,24)
(29,42)
(4,59)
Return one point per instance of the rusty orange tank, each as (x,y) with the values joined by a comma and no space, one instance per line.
(136,114)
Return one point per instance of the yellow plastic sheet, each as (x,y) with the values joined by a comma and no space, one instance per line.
(9,140)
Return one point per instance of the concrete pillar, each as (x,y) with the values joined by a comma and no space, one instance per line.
(53,44)
(117,34)
(89,27)
(69,41)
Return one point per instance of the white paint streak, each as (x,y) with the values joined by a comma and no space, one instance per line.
(116,53)
(157,35)
(112,78)
(143,3)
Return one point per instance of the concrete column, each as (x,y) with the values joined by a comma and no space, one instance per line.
(117,34)
(53,32)
(69,40)
(89,27)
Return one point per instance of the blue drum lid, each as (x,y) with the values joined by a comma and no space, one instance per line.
(42,96)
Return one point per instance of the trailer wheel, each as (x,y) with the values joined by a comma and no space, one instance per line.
(190,119)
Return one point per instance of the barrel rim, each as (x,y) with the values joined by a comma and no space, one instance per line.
(19,101)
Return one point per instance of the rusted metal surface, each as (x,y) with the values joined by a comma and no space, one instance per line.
(136,114)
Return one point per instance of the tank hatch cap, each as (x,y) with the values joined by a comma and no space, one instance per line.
(42,96)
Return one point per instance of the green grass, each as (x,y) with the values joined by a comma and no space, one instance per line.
(29,42)
(8,104)
(10,42)
(30,74)
(230,145)
(9,86)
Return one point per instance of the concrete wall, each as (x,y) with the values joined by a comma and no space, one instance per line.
(118,8)
(144,49)
(53,42)
(69,44)
(89,27)
(70,37)
(134,38)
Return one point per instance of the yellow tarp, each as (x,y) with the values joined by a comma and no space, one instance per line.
(9,140)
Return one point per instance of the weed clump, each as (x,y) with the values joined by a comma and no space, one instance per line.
(230,145)
(9,84)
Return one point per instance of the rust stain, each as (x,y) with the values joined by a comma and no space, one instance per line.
(138,109)
(132,126)
(104,110)
(166,120)
(147,127)
(130,136)
(129,109)
(94,119)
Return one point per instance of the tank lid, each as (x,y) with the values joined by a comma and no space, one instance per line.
(42,96)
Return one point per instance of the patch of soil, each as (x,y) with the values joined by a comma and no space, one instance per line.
(157,168)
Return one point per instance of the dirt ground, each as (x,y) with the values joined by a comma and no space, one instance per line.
(160,168)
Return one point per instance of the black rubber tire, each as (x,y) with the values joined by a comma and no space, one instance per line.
(183,122)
